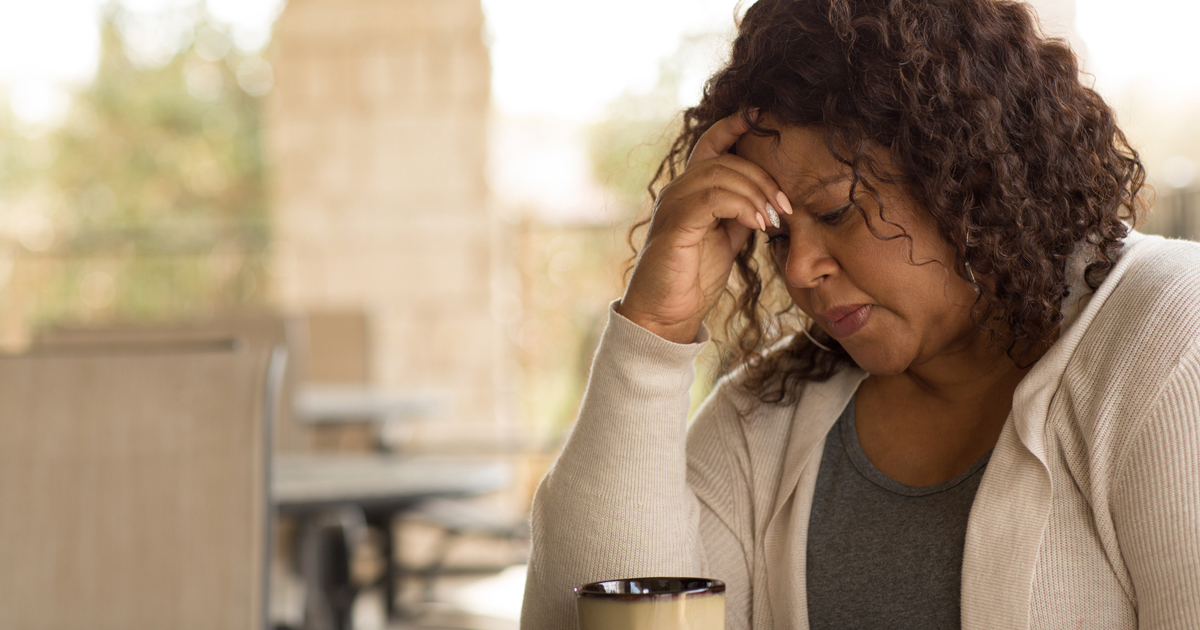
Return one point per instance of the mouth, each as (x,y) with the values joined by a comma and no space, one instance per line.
(846,320)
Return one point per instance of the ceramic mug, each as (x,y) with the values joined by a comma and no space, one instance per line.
(652,604)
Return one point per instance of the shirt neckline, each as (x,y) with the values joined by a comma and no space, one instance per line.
(858,458)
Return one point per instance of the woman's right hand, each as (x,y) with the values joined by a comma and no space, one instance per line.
(701,220)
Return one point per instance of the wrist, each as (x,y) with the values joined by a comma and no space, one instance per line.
(676,332)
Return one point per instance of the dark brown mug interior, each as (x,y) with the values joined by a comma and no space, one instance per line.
(650,587)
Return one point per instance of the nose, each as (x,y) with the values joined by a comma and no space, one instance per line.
(809,262)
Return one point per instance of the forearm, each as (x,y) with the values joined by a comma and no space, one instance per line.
(616,503)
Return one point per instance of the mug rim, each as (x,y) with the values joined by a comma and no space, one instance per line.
(597,589)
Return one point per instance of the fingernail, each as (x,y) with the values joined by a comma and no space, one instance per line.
(784,204)
(773,216)
(762,224)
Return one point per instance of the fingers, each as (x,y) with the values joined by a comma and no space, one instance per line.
(711,167)
(767,184)
(718,203)
(717,175)
(718,139)
(736,175)
(714,146)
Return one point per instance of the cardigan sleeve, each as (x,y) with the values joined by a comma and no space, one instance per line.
(1156,503)
(616,503)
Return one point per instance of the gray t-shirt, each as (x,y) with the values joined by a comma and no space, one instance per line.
(882,554)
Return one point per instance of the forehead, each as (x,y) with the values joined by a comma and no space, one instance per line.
(799,160)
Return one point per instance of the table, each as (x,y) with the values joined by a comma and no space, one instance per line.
(391,411)
(325,490)
(317,404)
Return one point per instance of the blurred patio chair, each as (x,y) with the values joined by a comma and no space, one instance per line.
(262,331)
(134,485)
(335,353)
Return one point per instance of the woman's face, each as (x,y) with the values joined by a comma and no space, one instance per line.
(887,312)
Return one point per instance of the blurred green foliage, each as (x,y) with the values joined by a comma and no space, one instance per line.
(625,150)
(626,146)
(154,187)
(15,168)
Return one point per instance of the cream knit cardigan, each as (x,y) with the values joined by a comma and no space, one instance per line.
(1088,514)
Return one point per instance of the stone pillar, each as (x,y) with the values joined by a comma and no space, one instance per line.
(377,143)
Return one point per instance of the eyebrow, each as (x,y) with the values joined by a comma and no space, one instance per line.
(818,184)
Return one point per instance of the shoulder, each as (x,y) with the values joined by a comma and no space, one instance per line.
(1137,324)
(1154,297)
(1172,264)
(1140,327)
(1160,269)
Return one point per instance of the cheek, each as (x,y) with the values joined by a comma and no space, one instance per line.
(911,275)
(917,306)
(925,316)
(925,304)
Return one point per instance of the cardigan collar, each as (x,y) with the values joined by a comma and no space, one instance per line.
(1031,400)
(786,535)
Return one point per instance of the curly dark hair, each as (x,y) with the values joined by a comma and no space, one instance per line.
(987,126)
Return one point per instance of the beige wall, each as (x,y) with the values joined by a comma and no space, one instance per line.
(377,141)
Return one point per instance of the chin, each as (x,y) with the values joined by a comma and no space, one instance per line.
(877,362)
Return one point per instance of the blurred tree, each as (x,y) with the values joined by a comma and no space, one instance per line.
(626,147)
(15,168)
(157,188)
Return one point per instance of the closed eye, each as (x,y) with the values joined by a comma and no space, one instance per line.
(833,217)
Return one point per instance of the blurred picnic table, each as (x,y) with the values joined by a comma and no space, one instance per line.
(335,498)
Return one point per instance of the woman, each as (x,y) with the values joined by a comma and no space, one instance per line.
(990,412)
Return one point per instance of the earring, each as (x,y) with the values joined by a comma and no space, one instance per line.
(971,276)
(804,329)
(967,264)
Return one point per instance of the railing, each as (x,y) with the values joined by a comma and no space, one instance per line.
(1176,214)
(116,276)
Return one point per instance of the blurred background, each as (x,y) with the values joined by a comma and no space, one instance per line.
(425,203)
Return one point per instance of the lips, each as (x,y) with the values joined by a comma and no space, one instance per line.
(846,320)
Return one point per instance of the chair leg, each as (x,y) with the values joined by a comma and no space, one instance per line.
(318,615)
(326,541)
(383,522)
(434,569)
(339,589)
